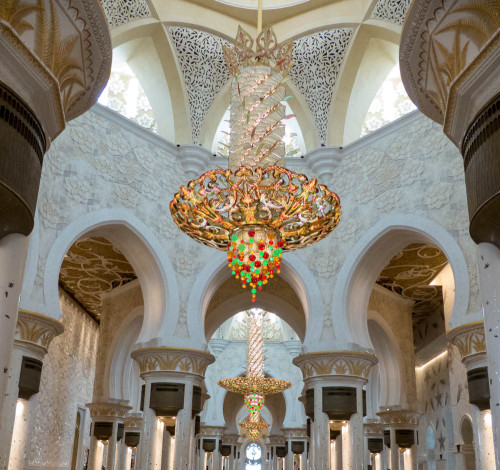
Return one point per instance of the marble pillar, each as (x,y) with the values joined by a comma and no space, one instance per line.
(13,252)
(33,335)
(111,411)
(489,275)
(336,369)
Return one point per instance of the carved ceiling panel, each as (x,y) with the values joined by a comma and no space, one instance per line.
(92,267)
(201,60)
(393,11)
(120,12)
(317,59)
(410,274)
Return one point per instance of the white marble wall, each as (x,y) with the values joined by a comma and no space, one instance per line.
(67,381)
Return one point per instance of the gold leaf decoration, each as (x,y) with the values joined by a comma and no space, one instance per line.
(91,267)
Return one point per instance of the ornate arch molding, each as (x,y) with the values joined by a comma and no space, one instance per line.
(391,367)
(144,252)
(372,252)
(293,270)
(119,369)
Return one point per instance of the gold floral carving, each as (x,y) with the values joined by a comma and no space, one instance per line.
(36,328)
(91,267)
(406,417)
(410,272)
(294,432)
(70,40)
(212,430)
(440,42)
(350,363)
(469,339)
(108,410)
(173,360)
(133,422)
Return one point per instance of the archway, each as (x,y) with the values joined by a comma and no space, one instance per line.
(371,254)
(150,263)
(467,436)
(253,456)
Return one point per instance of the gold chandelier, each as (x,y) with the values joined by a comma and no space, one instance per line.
(255,386)
(256,209)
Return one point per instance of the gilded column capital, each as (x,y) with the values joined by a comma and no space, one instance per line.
(36,331)
(276,440)
(295,433)
(133,422)
(373,428)
(335,363)
(212,431)
(471,342)
(165,359)
(399,418)
(108,410)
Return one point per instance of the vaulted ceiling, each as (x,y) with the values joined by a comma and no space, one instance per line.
(343,50)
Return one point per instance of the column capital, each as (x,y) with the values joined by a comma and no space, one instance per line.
(133,422)
(399,418)
(212,431)
(470,340)
(108,410)
(373,428)
(35,331)
(295,433)
(231,439)
(178,360)
(276,440)
(335,363)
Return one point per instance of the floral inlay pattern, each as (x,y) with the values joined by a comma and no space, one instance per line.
(317,59)
(201,60)
(91,267)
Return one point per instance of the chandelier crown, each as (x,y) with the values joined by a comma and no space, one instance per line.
(267,52)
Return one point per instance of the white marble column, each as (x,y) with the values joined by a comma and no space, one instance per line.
(289,455)
(94,462)
(321,432)
(338,453)
(10,406)
(165,452)
(13,251)
(394,451)
(111,457)
(489,275)
(183,431)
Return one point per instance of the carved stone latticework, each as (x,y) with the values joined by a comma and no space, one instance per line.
(36,329)
(393,11)
(470,341)
(108,410)
(399,418)
(327,363)
(317,59)
(201,60)
(164,359)
(119,12)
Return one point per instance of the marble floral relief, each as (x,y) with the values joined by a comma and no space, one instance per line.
(96,164)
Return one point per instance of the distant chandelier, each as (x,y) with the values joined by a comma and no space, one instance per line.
(256,209)
(255,386)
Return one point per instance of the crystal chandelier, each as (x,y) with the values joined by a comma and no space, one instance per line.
(255,386)
(256,209)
